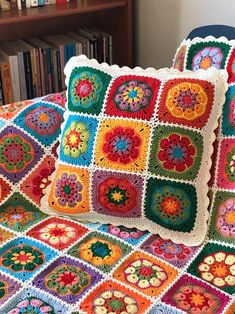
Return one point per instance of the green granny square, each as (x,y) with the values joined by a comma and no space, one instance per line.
(176,152)
(87,89)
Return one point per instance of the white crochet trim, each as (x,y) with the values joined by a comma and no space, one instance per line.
(218,78)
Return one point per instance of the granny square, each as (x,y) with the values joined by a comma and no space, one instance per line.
(216,265)
(193,296)
(135,148)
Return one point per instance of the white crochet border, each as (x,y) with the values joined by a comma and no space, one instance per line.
(218,78)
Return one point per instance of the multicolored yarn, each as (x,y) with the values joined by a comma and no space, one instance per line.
(134,149)
(99,283)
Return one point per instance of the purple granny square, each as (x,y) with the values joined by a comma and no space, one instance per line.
(8,287)
(18,153)
(174,253)
(67,279)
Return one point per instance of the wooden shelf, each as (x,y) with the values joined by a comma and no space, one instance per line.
(112,16)
(55,11)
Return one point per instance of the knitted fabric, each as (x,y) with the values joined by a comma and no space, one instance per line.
(53,265)
(135,148)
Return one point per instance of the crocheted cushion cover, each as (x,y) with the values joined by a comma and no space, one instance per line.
(135,148)
(53,265)
(219,53)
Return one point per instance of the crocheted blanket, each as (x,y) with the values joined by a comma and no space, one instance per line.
(56,265)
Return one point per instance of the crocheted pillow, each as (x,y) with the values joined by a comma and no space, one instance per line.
(135,148)
(219,53)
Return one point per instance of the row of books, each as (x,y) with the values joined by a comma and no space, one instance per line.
(21,4)
(35,67)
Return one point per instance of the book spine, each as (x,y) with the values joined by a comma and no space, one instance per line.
(58,62)
(28,4)
(19,4)
(41,2)
(13,4)
(61,1)
(15,78)
(110,50)
(23,90)
(38,71)
(6,82)
(42,70)
(28,74)
(62,51)
(55,71)
(46,74)
(23,4)
(47,2)
(70,51)
(34,72)
(34,3)
(49,67)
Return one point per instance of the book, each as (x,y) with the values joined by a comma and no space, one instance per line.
(67,48)
(41,2)
(92,42)
(23,4)
(82,42)
(11,56)
(46,64)
(13,4)
(6,81)
(34,3)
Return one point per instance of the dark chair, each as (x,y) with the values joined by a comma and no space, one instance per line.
(213,30)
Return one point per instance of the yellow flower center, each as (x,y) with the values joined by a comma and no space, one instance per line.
(230,218)
(117,196)
(43,117)
(197,299)
(205,63)
(73,139)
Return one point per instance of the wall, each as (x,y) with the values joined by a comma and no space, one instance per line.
(160,25)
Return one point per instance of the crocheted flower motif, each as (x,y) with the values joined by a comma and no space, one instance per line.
(175,152)
(54,233)
(56,98)
(68,279)
(18,214)
(87,87)
(228,120)
(219,269)
(34,185)
(100,252)
(14,216)
(32,305)
(16,153)
(226,218)
(111,297)
(187,102)
(75,139)
(180,59)
(226,169)
(208,57)
(125,233)
(204,55)
(145,274)
(23,258)
(78,139)
(172,206)
(68,190)
(133,97)
(43,120)
(196,299)
(170,250)
(231,67)
(117,194)
(121,144)
(116,302)
(10,111)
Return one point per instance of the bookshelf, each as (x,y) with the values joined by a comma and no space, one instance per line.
(112,16)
